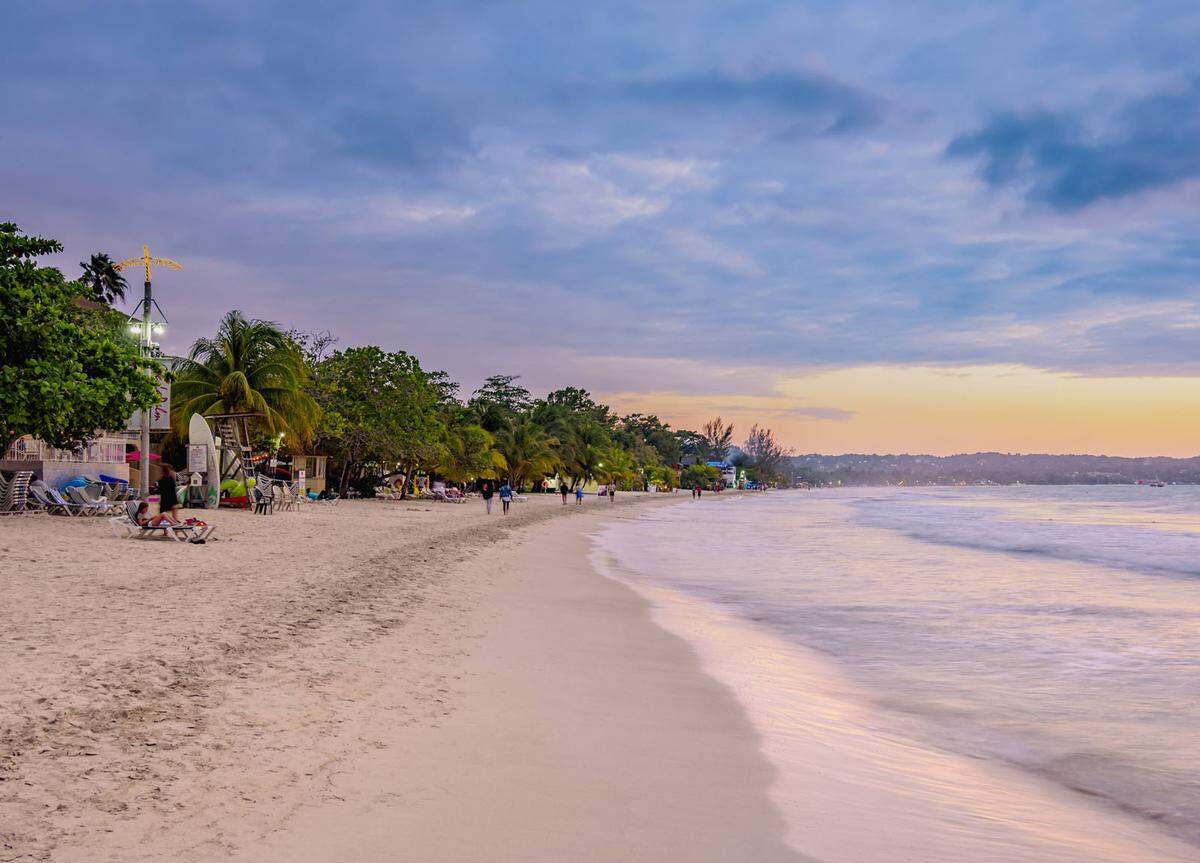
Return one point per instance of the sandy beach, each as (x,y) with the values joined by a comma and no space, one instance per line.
(374,681)
(350,680)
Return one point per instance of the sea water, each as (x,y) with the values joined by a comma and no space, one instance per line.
(1054,630)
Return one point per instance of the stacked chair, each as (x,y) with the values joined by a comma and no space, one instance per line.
(14,492)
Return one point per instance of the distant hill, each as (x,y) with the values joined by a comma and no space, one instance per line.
(991,467)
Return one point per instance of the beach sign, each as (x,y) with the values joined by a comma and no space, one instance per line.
(160,414)
(197,458)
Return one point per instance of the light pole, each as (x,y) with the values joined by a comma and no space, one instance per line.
(146,328)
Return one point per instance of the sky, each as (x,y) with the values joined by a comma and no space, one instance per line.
(873,227)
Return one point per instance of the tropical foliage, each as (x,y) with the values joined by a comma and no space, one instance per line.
(763,456)
(470,454)
(717,438)
(250,366)
(379,412)
(101,276)
(698,475)
(527,450)
(67,368)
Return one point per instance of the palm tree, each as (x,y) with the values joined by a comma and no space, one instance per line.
(101,276)
(617,466)
(527,450)
(468,453)
(583,462)
(250,367)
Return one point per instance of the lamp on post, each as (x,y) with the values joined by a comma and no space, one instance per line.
(145,328)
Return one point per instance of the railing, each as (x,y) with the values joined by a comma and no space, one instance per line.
(104,450)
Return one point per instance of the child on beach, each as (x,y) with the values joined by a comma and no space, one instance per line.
(506,496)
(579,495)
(563,488)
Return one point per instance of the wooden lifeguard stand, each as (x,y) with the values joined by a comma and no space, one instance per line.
(233,435)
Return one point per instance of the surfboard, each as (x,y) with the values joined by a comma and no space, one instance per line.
(200,434)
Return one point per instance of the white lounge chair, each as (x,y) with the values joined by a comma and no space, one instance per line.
(440,494)
(126,526)
(50,500)
(91,505)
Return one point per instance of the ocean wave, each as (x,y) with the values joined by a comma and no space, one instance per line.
(1123,546)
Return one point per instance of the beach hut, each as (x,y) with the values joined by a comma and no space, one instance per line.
(312,468)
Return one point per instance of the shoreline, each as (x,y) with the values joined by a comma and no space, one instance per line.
(839,752)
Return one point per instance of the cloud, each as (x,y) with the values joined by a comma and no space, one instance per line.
(1055,159)
(836,414)
(827,106)
(659,196)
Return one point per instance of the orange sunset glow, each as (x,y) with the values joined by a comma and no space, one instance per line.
(944,411)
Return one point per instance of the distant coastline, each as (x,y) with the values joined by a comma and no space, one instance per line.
(988,468)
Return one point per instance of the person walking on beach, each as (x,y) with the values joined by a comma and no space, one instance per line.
(579,495)
(562,487)
(612,492)
(486,491)
(506,496)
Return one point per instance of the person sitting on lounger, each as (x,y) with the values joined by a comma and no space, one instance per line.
(145,519)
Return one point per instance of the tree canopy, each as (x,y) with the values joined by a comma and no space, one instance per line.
(764,455)
(67,368)
(101,276)
(718,438)
(70,369)
(250,366)
(380,409)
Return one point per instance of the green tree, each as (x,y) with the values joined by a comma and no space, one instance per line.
(251,366)
(691,444)
(698,475)
(66,370)
(380,411)
(618,467)
(663,476)
(573,400)
(469,453)
(101,277)
(528,451)
(718,438)
(765,455)
(654,432)
(499,401)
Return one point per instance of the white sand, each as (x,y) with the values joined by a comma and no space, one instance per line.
(583,733)
(332,666)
